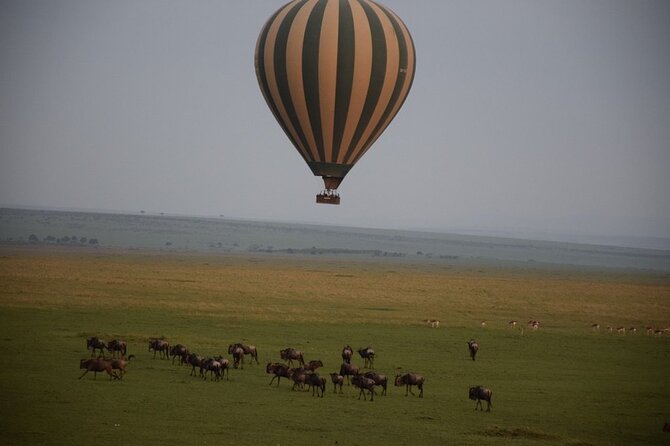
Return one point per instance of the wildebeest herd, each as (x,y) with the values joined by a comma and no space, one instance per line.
(303,375)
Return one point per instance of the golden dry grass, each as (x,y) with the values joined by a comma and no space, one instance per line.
(316,289)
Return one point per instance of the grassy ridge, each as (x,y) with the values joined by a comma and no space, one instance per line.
(561,385)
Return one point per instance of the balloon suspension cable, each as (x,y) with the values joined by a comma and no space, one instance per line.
(328,196)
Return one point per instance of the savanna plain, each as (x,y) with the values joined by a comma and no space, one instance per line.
(561,384)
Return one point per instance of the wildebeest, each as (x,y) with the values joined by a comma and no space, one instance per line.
(217,367)
(291,354)
(368,355)
(179,351)
(248,350)
(95,343)
(160,346)
(347,353)
(316,382)
(338,380)
(278,371)
(117,346)
(480,393)
(409,380)
(238,355)
(298,376)
(313,365)
(348,370)
(473,346)
(96,365)
(120,364)
(364,384)
(195,361)
(379,379)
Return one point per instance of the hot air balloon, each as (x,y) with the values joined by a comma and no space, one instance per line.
(334,74)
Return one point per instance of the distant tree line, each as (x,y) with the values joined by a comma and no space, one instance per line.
(320,251)
(52,240)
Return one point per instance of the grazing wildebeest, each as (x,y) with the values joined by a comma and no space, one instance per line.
(120,364)
(347,353)
(480,393)
(248,350)
(338,380)
(278,370)
(95,343)
(316,382)
(291,354)
(179,351)
(379,379)
(117,346)
(238,354)
(313,365)
(160,345)
(364,384)
(473,346)
(348,370)
(96,365)
(409,380)
(195,361)
(368,356)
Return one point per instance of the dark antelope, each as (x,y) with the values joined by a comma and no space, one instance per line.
(409,380)
(249,350)
(179,351)
(473,346)
(347,353)
(117,346)
(338,380)
(278,371)
(291,354)
(238,355)
(95,343)
(96,365)
(480,393)
(364,384)
(120,364)
(348,370)
(380,380)
(317,383)
(160,346)
(368,356)
(313,365)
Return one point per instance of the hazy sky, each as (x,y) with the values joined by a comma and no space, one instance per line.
(527,117)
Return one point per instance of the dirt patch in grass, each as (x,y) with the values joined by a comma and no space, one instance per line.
(519,432)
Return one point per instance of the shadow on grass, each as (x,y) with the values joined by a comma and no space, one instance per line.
(518,432)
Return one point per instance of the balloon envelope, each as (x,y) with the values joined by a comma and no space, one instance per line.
(334,73)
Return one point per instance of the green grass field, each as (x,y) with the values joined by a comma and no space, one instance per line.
(563,384)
